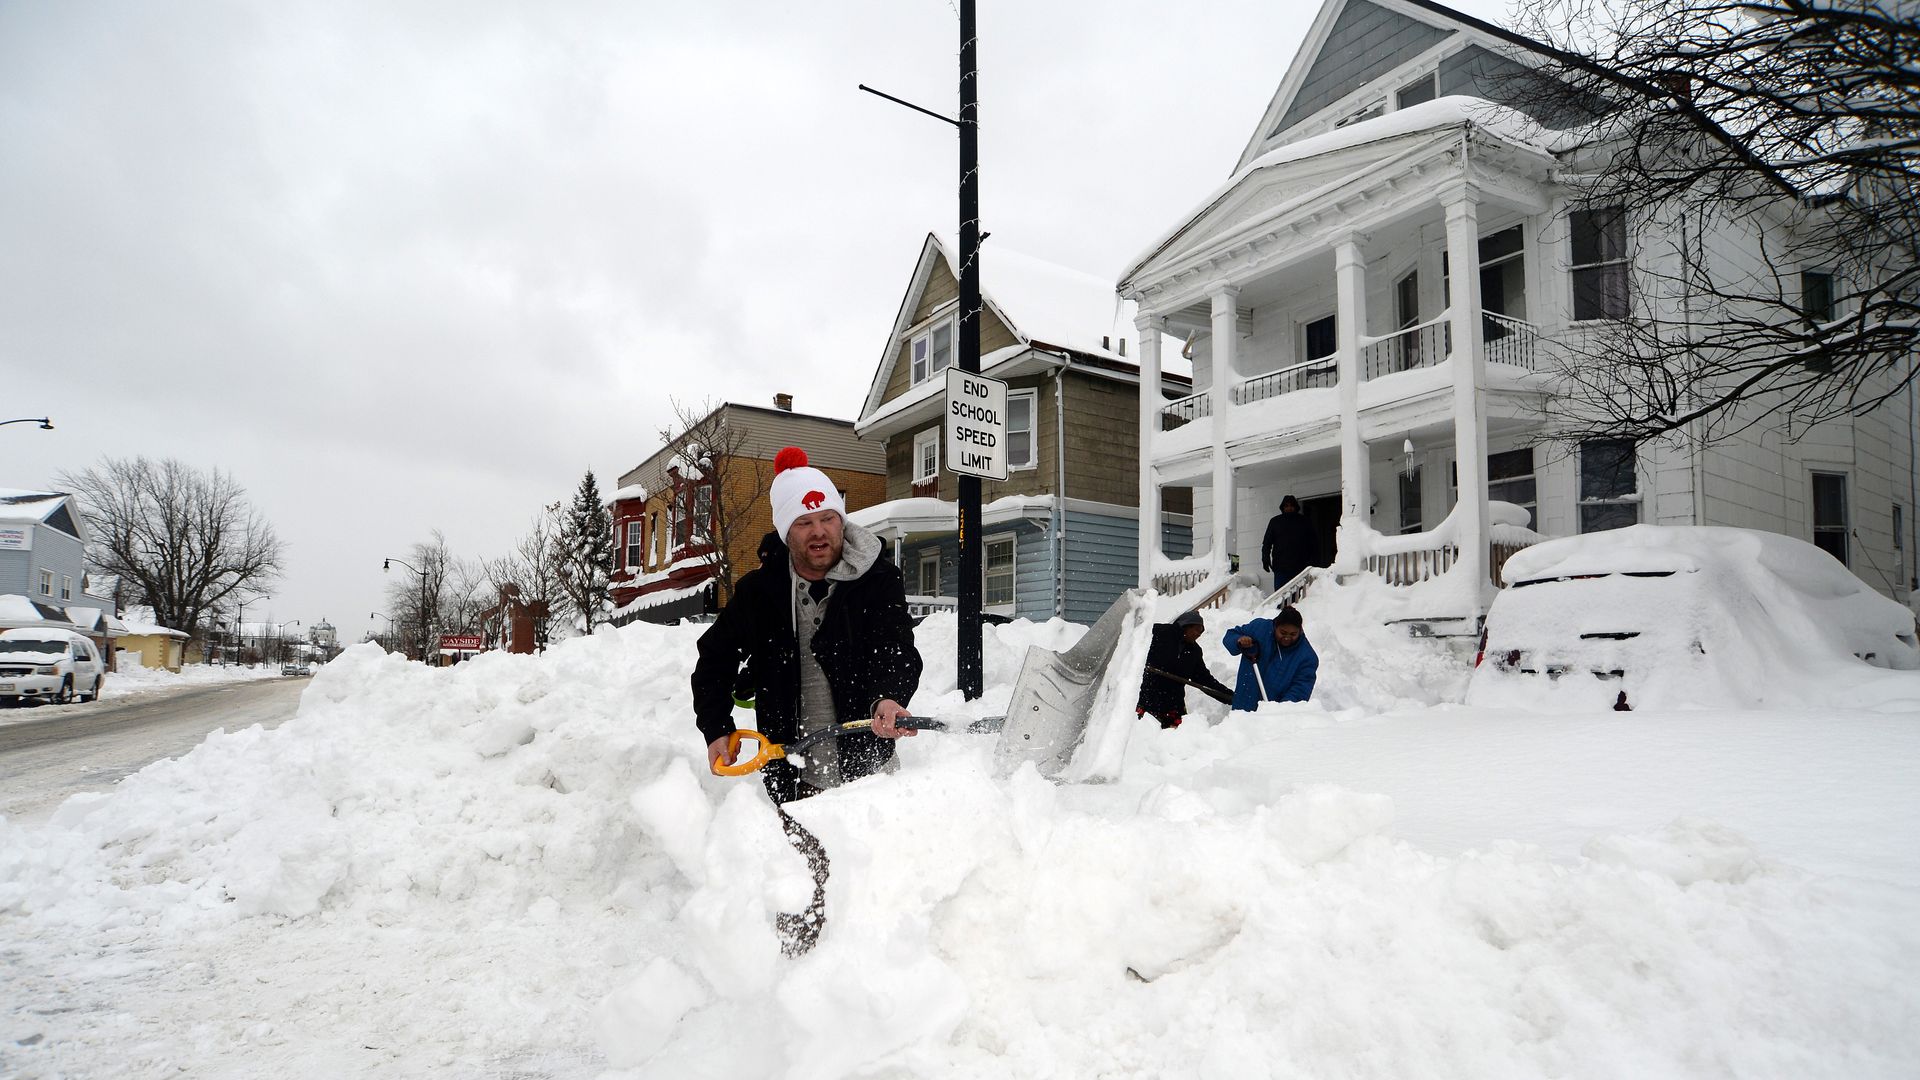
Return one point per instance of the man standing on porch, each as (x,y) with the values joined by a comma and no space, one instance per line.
(1275,658)
(1290,545)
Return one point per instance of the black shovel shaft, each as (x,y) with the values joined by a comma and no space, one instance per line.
(1224,699)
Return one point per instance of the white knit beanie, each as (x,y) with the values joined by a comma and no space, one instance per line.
(800,489)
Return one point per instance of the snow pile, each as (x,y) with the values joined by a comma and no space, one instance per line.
(136,678)
(519,865)
(1693,617)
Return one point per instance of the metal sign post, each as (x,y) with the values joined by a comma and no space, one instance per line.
(971,673)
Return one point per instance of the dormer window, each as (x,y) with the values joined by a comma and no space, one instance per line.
(932,350)
(1424,88)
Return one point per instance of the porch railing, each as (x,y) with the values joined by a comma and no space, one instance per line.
(1178,581)
(1408,567)
(1415,347)
(1320,372)
(1509,341)
(922,606)
(1186,410)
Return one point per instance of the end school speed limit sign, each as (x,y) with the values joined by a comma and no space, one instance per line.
(976,425)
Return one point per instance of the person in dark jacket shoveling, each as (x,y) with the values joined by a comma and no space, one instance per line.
(1287,664)
(1174,663)
(823,629)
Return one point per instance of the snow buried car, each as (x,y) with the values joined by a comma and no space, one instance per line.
(1686,617)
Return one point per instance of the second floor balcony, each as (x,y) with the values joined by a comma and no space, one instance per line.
(1511,343)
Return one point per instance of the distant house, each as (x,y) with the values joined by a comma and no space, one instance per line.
(689,519)
(43,548)
(1340,354)
(1060,534)
(156,646)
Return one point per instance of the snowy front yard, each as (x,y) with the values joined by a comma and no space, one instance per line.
(519,867)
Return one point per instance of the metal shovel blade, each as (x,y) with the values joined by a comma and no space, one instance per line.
(1054,697)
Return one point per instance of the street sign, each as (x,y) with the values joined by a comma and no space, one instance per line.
(976,425)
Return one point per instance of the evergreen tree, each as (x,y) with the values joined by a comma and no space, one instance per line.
(586,542)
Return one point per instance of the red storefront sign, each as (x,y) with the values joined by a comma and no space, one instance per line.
(466,642)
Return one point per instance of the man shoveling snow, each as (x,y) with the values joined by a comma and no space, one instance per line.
(826,635)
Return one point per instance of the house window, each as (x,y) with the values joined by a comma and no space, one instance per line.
(926,455)
(1609,492)
(1320,338)
(1410,501)
(1600,263)
(703,524)
(1830,514)
(932,351)
(1020,429)
(658,533)
(929,582)
(1510,480)
(997,571)
(1816,296)
(46,583)
(66,587)
(636,533)
(1417,91)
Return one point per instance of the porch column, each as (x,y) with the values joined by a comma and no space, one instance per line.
(1469,381)
(1148,327)
(1226,342)
(1350,285)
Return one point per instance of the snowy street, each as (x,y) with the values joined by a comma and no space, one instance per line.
(519,867)
(53,751)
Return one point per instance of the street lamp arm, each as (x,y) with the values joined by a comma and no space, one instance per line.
(45,424)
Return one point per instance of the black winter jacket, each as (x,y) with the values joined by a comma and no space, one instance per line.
(864,646)
(1172,653)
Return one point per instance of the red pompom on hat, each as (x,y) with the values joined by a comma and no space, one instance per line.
(798,489)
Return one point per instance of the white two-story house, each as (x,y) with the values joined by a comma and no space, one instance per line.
(1339,353)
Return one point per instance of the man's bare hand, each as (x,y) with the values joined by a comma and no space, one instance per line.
(884,716)
(719,753)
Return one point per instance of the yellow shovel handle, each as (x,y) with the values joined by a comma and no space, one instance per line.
(769,751)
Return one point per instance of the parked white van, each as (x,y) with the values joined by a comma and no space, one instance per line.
(39,665)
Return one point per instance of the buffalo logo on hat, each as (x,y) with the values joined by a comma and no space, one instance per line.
(813,499)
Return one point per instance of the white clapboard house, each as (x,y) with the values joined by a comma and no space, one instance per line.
(1334,355)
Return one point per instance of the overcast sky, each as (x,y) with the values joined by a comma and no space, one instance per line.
(407,266)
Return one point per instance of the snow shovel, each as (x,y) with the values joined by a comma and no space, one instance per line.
(1053,700)
(1258,676)
(1224,699)
(772,751)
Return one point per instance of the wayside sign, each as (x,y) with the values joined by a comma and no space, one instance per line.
(976,425)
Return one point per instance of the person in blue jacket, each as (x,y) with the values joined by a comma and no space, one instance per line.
(1288,664)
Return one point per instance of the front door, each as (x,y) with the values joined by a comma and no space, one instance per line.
(1324,512)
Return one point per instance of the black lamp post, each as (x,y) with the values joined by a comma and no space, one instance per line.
(45,424)
(277,638)
(385,565)
(240,625)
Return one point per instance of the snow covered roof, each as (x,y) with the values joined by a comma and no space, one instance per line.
(1049,303)
(1488,118)
(17,610)
(1041,303)
(926,515)
(142,628)
(30,507)
(631,491)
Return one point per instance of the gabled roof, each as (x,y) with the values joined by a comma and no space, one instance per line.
(1041,304)
(1354,43)
(50,508)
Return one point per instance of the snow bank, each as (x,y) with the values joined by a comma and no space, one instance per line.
(522,859)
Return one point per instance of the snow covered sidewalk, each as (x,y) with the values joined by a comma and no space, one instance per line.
(519,866)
